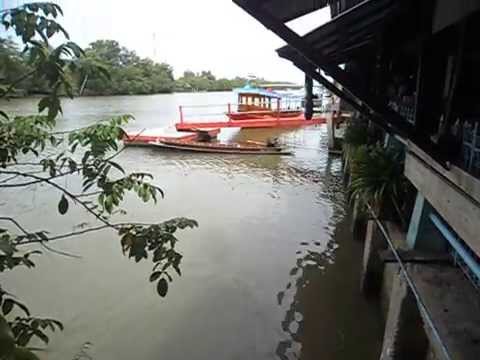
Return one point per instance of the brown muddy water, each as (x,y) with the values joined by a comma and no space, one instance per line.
(271,273)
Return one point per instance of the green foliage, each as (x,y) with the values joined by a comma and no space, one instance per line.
(376,177)
(89,154)
(206,81)
(356,133)
(159,241)
(130,74)
(106,68)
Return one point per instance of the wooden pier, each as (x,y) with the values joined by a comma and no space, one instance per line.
(266,122)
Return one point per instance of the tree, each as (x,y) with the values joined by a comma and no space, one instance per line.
(208,75)
(130,74)
(188,74)
(26,144)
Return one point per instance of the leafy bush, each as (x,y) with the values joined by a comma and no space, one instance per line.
(377,178)
(356,133)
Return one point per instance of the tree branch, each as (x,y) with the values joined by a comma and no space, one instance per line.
(16,223)
(116,226)
(16,82)
(89,194)
(41,242)
(32,175)
(58,252)
(39,179)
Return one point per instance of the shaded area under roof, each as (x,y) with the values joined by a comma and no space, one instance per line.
(286,10)
(349,34)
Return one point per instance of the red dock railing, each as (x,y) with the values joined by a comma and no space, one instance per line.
(259,118)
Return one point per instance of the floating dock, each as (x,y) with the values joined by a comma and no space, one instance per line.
(266,122)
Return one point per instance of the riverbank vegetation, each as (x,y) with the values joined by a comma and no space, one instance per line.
(29,156)
(129,74)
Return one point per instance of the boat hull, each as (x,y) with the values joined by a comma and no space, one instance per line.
(146,138)
(190,146)
(256,115)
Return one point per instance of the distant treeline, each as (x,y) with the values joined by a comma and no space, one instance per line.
(129,74)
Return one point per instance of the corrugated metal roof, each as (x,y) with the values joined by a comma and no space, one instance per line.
(286,10)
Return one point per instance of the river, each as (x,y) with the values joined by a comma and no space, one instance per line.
(272,272)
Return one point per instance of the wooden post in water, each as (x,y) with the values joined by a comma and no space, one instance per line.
(308,97)
(278,109)
(181,114)
(331,129)
(229,111)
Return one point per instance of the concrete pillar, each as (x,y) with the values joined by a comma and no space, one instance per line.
(331,131)
(372,272)
(308,97)
(404,336)
(422,233)
(358,225)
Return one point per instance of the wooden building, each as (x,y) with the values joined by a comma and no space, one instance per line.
(412,68)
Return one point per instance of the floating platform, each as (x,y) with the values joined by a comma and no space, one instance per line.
(266,122)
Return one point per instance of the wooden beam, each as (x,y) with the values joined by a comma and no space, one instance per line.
(395,122)
(314,74)
(459,209)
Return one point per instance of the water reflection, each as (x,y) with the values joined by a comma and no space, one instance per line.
(313,256)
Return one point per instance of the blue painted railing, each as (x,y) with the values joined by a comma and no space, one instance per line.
(457,245)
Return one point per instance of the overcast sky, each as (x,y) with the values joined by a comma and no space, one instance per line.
(198,35)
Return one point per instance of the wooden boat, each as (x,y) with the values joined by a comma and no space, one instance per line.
(147,136)
(258,115)
(257,103)
(219,148)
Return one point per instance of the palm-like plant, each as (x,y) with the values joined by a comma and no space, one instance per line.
(356,135)
(377,179)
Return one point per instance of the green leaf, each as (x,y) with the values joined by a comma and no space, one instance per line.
(116,166)
(39,334)
(58,323)
(162,287)
(4,115)
(7,306)
(155,276)
(6,246)
(24,338)
(63,205)
(23,307)
(177,269)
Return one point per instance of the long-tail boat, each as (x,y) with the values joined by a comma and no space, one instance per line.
(248,148)
(147,136)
